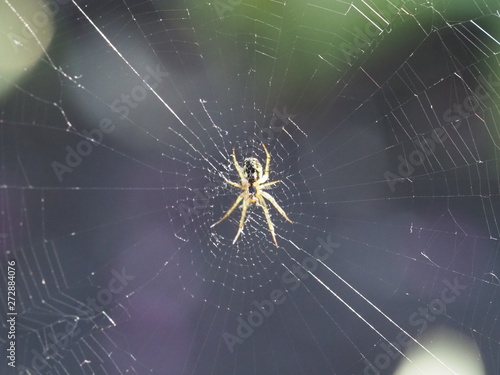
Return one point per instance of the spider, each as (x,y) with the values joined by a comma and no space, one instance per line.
(253,183)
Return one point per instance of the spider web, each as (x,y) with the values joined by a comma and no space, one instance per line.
(117,125)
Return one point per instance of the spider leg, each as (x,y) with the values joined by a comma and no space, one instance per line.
(238,200)
(269,183)
(265,176)
(234,184)
(268,161)
(275,204)
(242,220)
(238,167)
(263,204)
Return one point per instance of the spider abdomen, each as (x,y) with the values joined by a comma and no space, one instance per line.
(252,169)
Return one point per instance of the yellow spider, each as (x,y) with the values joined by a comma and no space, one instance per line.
(252,183)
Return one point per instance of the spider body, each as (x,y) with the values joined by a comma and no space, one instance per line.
(253,182)
(252,170)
